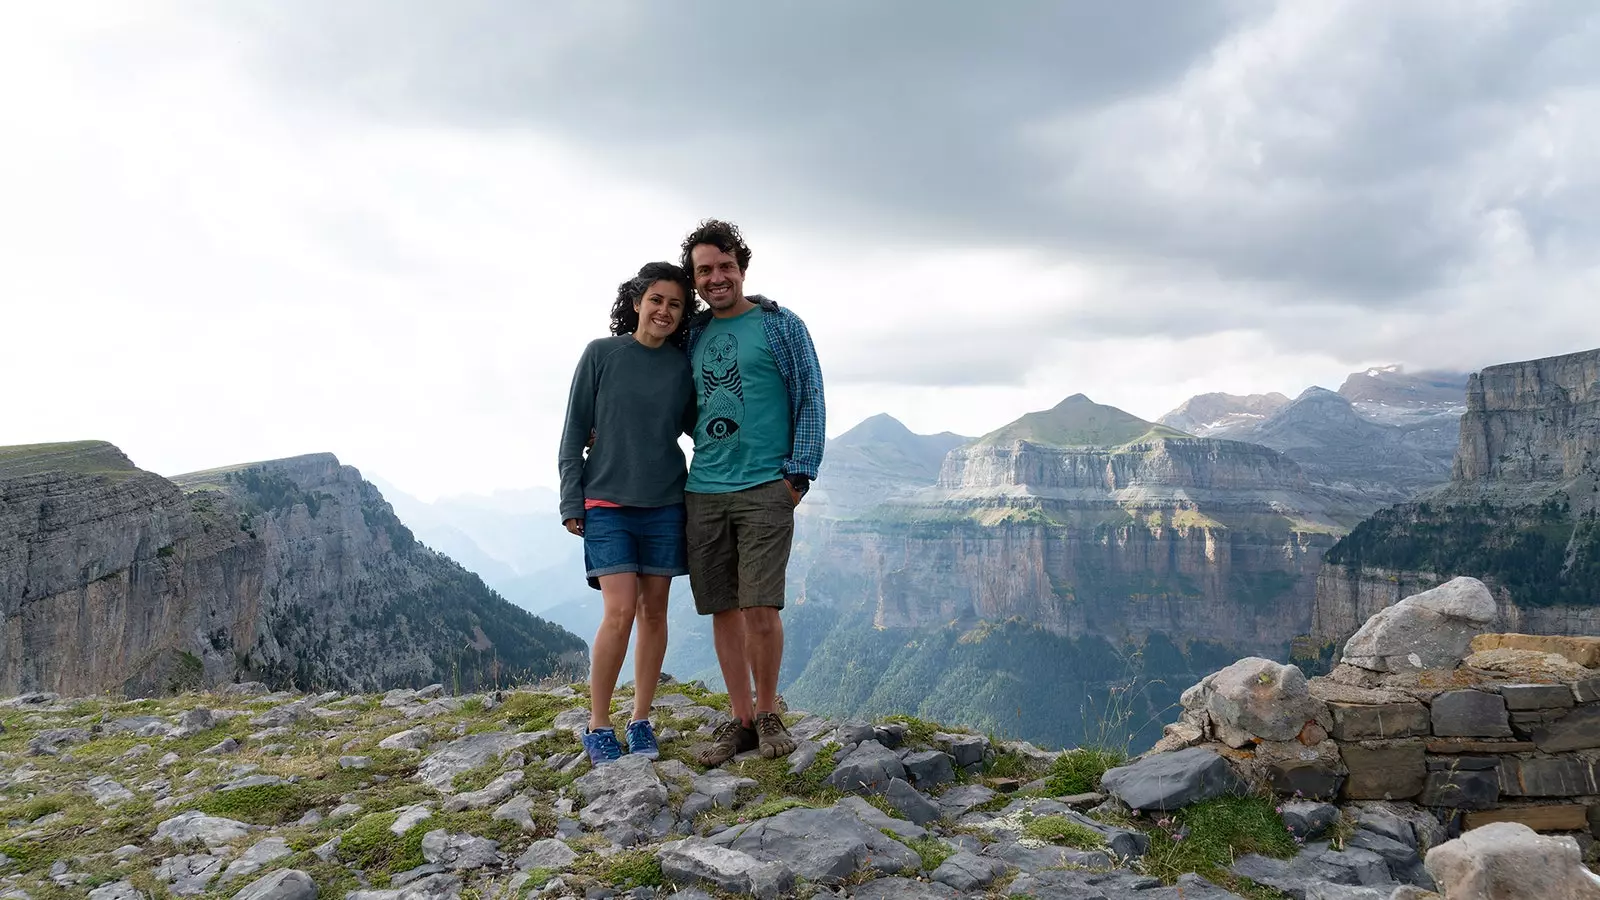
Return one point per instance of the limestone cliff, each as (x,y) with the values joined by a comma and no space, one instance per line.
(294,571)
(1079,552)
(1519,511)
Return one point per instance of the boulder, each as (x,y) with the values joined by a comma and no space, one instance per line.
(966,749)
(929,768)
(967,871)
(188,875)
(410,739)
(959,800)
(626,793)
(1260,699)
(194,825)
(440,768)
(494,792)
(910,803)
(824,846)
(1169,781)
(107,792)
(256,858)
(698,861)
(459,852)
(1308,819)
(284,884)
(874,817)
(1430,630)
(549,854)
(116,890)
(868,769)
(1508,861)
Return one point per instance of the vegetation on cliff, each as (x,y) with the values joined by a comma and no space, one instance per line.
(1543,554)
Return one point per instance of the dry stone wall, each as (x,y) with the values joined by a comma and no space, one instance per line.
(1424,708)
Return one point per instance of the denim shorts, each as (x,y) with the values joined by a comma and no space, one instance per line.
(644,540)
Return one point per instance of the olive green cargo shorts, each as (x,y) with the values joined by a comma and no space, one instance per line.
(739,547)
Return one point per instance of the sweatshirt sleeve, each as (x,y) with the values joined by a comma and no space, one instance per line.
(575,434)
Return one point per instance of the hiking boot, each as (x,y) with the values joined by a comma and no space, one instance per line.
(730,739)
(773,738)
(642,740)
(601,745)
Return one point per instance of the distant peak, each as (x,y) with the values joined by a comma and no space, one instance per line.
(1076,400)
(1392,369)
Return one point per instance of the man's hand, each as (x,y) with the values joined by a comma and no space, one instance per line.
(798,485)
(576,526)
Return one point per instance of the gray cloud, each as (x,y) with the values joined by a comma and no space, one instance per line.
(1353,152)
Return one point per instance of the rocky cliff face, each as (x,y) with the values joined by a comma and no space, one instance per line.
(1519,511)
(1209,539)
(294,571)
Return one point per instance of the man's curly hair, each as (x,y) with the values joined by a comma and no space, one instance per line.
(722,235)
(625,319)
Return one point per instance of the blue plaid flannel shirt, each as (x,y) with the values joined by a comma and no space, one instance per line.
(802,375)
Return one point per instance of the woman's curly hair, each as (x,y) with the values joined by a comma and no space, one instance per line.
(625,319)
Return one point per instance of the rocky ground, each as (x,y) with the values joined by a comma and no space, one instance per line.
(412,794)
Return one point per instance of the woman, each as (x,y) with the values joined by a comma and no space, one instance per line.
(634,396)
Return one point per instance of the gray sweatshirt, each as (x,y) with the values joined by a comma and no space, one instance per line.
(638,401)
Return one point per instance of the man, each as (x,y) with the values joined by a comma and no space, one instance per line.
(757,445)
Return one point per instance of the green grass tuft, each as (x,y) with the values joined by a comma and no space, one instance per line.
(261,804)
(1064,831)
(1219,831)
(932,850)
(528,711)
(919,732)
(1079,771)
(370,845)
(631,869)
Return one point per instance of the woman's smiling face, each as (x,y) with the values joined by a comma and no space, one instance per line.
(660,310)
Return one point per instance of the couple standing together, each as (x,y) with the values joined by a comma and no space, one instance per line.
(741,378)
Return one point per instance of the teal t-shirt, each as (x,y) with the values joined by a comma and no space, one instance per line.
(743,434)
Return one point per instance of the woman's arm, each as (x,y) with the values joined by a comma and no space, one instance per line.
(575,434)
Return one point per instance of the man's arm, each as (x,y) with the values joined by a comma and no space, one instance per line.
(810,408)
(575,436)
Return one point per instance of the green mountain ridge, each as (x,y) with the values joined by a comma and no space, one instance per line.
(1078,422)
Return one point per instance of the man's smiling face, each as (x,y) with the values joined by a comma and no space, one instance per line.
(717,278)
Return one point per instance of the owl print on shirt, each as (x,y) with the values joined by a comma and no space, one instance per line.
(723,410)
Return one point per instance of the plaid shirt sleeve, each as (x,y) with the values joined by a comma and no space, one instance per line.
(802,374)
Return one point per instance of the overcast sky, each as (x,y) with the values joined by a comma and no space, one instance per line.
(386,229)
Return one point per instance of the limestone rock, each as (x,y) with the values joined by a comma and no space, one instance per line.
(494,792)
(1430,630)
(626,793)
(284,884)
(459,851)
(188,875)
(432,887)
(256,858)
(929,768)
(912,804)
(440,768)
(410,739)
(1259,698)
(194,825)
(868,769)
(107,792)
(547,854)
(116,890)
(967,871)
(874,817)
(825,846)
(1531,664)
(1508,861)
(698,861)
(1170,781)
(1583,651)
(903,889)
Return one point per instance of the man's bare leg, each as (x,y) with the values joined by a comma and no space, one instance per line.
(763,643)
(728,633)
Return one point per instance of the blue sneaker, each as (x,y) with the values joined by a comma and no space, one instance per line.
(602,746)
(642,740)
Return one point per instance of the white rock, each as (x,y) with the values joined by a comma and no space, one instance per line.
(284,884)
(547,854)
(107,792)
(410,817)
(1430,630)
(459,851)
(1510,861)
(256,858)
(197,826)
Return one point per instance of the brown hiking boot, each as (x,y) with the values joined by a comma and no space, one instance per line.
(730,738)
(775,739)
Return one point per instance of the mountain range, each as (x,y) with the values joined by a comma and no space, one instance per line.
(1060,578)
